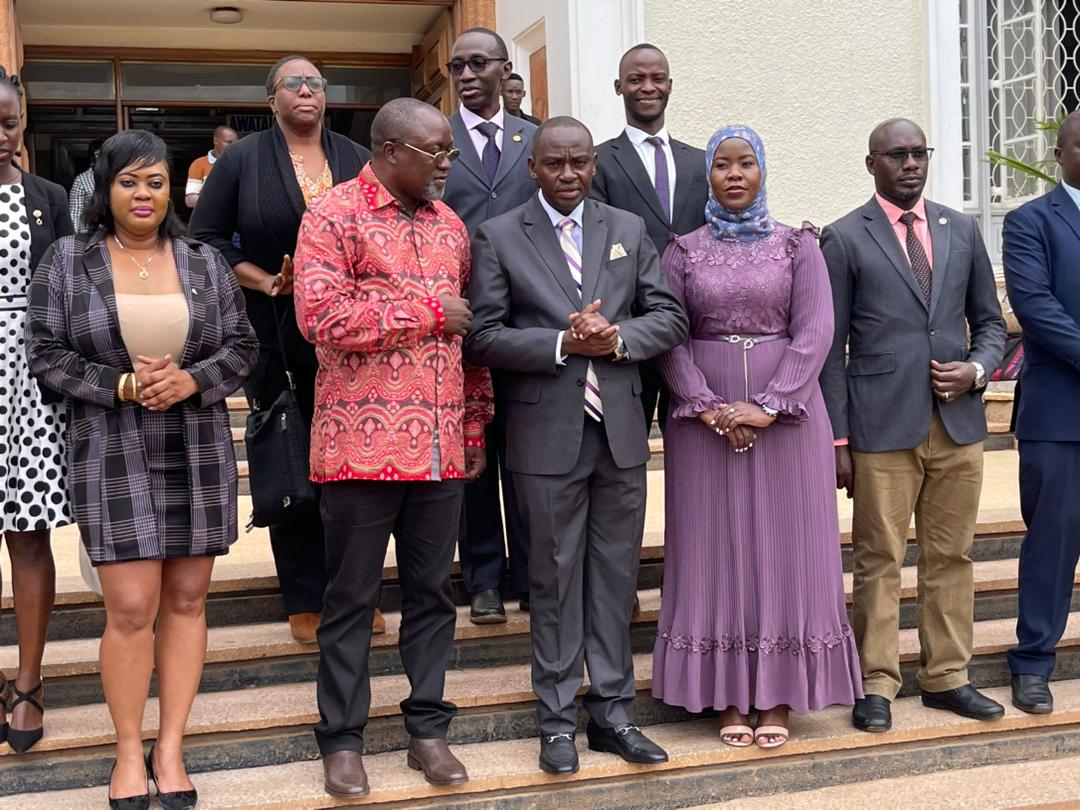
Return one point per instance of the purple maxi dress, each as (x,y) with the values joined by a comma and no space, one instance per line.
(753,610)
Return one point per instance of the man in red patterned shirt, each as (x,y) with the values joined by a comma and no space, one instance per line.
(398,427)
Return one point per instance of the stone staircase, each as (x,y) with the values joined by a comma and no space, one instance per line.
(250,745)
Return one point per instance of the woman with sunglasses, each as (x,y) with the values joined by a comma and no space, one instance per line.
(260,189)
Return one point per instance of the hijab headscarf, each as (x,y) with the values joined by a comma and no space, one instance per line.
(753,222)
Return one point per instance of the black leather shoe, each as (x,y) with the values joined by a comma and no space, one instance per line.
(1031,694)
(872,713)
(523,605)
(627,741)
(140,802)
(172,800)
(487,608)
(22,741)
(966,701)
(558,754)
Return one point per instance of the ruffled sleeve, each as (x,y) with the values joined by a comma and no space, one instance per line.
(690,394)
(810,327)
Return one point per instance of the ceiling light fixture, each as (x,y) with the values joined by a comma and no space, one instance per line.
(226,15)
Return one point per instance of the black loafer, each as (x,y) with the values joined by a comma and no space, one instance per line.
(872,713)
(558,754)
(523,604)
(487,608)
(627,741)
(1031,694)
(966,701)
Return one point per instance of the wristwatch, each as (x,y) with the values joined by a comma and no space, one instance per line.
(980,375)
(620,351)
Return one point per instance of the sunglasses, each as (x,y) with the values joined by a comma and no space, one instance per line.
(478,64)
(438,157)
(316,84)
(900,156)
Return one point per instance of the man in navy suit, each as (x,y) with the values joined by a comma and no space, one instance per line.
(490,178)
(1041,255)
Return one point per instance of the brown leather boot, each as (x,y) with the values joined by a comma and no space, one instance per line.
(433,757)
(378,624)
(304,626)
(345,774)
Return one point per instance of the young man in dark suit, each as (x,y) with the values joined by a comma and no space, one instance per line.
(918,328)
(513,93)
(575,434)
(1041,253)
(647,172)
(490,178)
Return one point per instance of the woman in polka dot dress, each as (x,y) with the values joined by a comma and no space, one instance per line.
(33,493)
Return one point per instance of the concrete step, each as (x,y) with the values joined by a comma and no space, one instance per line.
(824,747)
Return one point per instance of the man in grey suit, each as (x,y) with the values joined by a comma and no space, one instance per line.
(568,298)
(646,171)
(903,385)
(490,178)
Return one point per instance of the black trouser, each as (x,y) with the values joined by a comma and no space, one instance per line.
(653,392)
(359,516)
(299,556)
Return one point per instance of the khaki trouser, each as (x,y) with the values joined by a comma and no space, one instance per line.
(940,481)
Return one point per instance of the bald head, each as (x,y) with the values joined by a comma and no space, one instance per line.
(563,162)
(404,119)
(223,137)
(898,159)
(561,127)
(891,130)
(1069,129)
(1067,151)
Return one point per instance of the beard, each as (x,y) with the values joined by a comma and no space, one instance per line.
(432,192)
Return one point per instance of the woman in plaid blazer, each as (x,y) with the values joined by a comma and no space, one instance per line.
(144,334)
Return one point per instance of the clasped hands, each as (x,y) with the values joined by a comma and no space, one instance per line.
(160,384)
(736,422)
(950,381)
(590,334)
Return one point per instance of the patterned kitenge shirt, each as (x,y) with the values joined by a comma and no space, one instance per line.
(368,281)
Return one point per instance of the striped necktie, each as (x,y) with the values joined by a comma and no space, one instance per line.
(593,406)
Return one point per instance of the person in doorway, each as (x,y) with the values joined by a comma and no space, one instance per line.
(513,93)
(489,179)
(201,167)
(82,189)
(144,334)
(647,172)
(33,466)
(381,264)
(259,189)
(918,327)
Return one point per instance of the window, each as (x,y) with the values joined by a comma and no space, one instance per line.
(69,81)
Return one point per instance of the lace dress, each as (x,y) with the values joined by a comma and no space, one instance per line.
(753,610)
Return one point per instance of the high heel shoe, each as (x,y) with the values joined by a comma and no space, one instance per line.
(4,698)
(22,740)
(177,799)
(129,802)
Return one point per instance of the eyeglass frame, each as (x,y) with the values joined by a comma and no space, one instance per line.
(469,62)
(891,154)
(303,80)
(451,154)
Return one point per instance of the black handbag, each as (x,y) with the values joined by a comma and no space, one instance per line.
(277,442)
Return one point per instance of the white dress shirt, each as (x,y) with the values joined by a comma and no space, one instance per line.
(647,153)
(575,232)
(1072,192)
(471,121)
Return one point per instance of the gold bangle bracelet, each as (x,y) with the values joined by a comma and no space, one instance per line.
(121,385)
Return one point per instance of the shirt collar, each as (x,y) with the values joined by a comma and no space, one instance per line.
(1073,192)
(637,136)
(894,212)
(471,120)
(379,196)
(556,217)
(210,156)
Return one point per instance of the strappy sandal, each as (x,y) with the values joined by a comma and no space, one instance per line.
(736,732)
(4,698)
(22,740)
(761,736)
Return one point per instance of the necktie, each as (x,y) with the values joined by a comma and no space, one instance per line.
(920,265)
(663,182)
(490,156)
(593,406)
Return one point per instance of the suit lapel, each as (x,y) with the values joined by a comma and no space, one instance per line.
(881,230)
(512,149)
(594,238)
(99,269)
(940,233)
(191,269)
(288,173)
(463,141)
(626,156)
(686,169)
(1063,204)
(541,233)
(37,209)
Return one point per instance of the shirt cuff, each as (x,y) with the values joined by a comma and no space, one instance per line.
(560,358)
(193,186)
(436,307)
(840,442)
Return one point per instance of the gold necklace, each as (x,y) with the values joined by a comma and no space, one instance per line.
(144,269)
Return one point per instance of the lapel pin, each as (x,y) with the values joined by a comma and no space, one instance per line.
(194,291)
(942,221)
(37,216)
(517,137)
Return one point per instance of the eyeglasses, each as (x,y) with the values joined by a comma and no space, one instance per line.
(438,157)
(900,156)
(316,84)
(478,64)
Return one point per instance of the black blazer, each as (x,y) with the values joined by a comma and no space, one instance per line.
(253,192)
(47,209)
(621,181)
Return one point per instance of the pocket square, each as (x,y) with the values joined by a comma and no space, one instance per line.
(617,251)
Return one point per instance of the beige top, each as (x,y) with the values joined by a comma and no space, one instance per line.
(153,325)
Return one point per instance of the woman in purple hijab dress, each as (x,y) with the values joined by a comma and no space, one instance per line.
(753,614)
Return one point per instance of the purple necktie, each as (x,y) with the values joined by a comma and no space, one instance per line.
(663,189)
(920,265)
(490,156)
